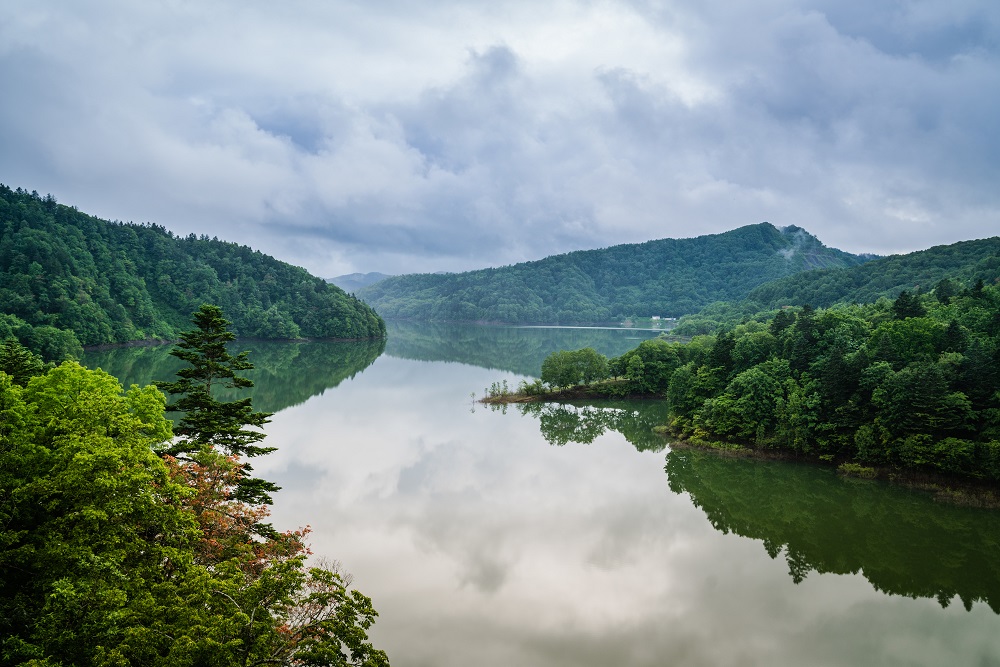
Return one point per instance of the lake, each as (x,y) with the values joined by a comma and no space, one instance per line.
(570,535)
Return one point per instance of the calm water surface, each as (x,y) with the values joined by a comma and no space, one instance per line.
(569,535)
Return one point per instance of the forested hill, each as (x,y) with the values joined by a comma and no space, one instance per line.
(667,277)
(63,271)
(967,261)
(352,282)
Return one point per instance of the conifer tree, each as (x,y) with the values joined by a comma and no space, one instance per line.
(19,362)
(229,426)
(908,305)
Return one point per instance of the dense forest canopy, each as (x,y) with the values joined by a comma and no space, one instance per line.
(667,277)
(67,279)
(967,261)
(909,383)
(942,269)
(912,383)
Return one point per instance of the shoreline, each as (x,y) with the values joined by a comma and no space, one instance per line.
(952,490)
(966,492)
(153,342)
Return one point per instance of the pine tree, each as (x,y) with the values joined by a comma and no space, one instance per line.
(229,426)
(19,362)
(908,305)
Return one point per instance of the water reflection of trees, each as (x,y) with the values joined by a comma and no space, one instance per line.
(562,423)
(516,349)
(902,542)
(285,374)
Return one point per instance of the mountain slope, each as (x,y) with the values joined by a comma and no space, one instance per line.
(352,282)
(887,276)
(667,277)
(112,282)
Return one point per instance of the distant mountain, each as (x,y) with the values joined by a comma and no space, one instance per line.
(66,273)
(668,277)
(352,282)
(966,261)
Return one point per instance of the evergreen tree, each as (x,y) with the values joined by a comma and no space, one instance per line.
(19,362)
(907,305)
(782,320)
(945,291)
(208,422)
(111,556)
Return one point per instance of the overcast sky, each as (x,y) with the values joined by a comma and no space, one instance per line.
(449,135)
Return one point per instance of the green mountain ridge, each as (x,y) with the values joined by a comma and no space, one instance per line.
(67,278)
(967,261)
(666,277)
(352,282)
(959,265)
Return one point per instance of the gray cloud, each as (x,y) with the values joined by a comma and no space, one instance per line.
(343,136)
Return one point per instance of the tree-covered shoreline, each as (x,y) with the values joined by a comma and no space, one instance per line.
(664,277)
(68,279)
(910,384)
(124,541)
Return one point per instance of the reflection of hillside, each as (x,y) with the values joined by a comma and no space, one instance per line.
(903,543)
(516,349)
(285,374)
(561,424)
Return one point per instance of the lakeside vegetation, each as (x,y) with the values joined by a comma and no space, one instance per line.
(279,380)
(903,543)
(807,516)
(907,384)
(69,279)
(964,263)
(666,277)
(126,542)
(182,551)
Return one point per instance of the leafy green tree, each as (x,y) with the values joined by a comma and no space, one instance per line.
(567,368)
(752,349)
(956,338)
(111,555)
(782,320)
(71,278)
(945,290)
(593,365)
(918,400)
(91,528)
(208,422)
(648,367)
(908,305)
(19,363)
(749,407)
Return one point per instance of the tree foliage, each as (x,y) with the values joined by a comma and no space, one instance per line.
(569,368)
(207,422)
(940,268)
(68,278)
(20,363)
(911,383)
(668,277)
(110,555)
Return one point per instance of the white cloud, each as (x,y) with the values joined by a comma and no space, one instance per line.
(347,136)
